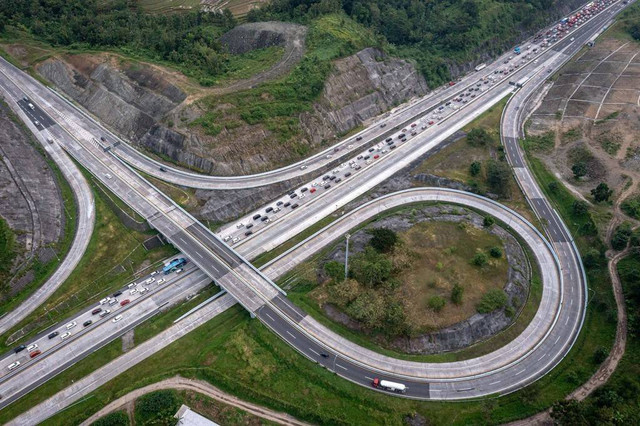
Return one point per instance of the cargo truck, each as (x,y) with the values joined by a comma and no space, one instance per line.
(481,66)
(389,386)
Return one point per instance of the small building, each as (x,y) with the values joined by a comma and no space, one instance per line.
(187,417)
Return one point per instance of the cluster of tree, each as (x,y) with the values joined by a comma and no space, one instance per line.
(156,407)
(188,40)
(117,418)
(428,31)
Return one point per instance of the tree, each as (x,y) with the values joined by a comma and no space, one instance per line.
(480,259)
(592,258)
(395,319)
(456,294)
(368,308)
(478,137)
(621,236)
(383,239)
(487,221)
(599,355)
(601,192)
(344,292)
(475,168)
(370,267)
(117,418)
(579,208)
(335,270)
(634,30)
(498,175)
(436,303)
(495,252)
(579,169)
(568,412)
(553,187)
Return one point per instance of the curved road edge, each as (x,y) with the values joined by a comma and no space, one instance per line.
(85,221)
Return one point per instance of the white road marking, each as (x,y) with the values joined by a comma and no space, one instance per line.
(314,352)
(343,367)
(199,255)
(270,317)
(495,383)
(543,355)
(289,333)
(558,338)
(520,372)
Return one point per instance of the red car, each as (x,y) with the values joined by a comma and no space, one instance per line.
(125,302)
(414,125)
(430,123)
(312,190)
(35,354)
(375,157)
(451,83)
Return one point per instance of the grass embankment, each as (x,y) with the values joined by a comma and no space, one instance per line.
(114,253)
(42,271)
(7,249)
(276,105)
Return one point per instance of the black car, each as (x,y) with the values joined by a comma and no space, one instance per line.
(249,225)
(327,186)
(371,150)
(117,293)
(287,204)
(19,348)
(293,195)
(294,206)
(264,218)
(347,174)
(392,147)
(102,139)
(338,180)
(305,189)
(256,217)
(279,203)
(325,177)
(162,169)
(87,323)
(360,157)
(248,233)
(359,138)
(366,157)
(389,139)
(332,178)
(269,209)
(54,334)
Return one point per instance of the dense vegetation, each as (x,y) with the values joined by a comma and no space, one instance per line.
(434,33)
(188,40)
(7,249)
(157,407)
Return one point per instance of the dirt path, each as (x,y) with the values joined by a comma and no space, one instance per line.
(180,383)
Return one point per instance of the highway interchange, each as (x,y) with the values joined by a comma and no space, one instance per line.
(560,318)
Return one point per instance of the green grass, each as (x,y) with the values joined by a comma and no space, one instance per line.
(631,206)
(167,6)
(112,245)
(7,249)
(248,64)
(44,271)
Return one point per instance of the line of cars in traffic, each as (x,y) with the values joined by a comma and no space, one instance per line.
(96,314)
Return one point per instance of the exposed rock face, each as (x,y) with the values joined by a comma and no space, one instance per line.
(362,86)
(131,102)
(257,35)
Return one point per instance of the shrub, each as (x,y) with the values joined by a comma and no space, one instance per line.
(600,355)
(621,236)
(335,270)
(157,406)
(498,177)
(480,259)
(383,239)
(456,294)
(344,292)
(495,252)
(118,418)
(579,170)
(492,300)
(475,168)
(436,303)
(601,192)
(579,208)
(631,207)
(487,221)
(369,309)
(370,267)
(479,137)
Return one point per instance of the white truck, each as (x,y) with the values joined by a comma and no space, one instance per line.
(389,386)
(480,67)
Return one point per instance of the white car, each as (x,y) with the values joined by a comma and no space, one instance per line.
(301,197)
(227,238)
(239,225)
(143,290)
(14,365)
(65,335)
(150,280)
(105,300)
(235,240)
(160,281)
(350,146)
(131,285)
(303,167)
(133,291)
(178,271)
(154,273)
(117,318)
(32,347)
(104,313)
(71,325)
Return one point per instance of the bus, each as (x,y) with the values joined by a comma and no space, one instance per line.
(173,265)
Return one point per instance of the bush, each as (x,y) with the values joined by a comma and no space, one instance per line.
(579,170)
(156,407)
(487,221)
(456,294)
(344,292)
(436,303)
(370,267)
(475,168)
(383,239)
(592,259)
(480,259)
(631,206)
(492,300)
(498,177)
(620,237)
(600,355)
(579,208)
(495,252)
(479,137)
(601,192)
(118,418)
(369,309)
(335,270)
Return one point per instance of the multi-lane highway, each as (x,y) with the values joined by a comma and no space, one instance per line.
(256,293)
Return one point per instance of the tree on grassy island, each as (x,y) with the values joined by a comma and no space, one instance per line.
(480,259)
(456,294)
(383,239)
(601,192)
